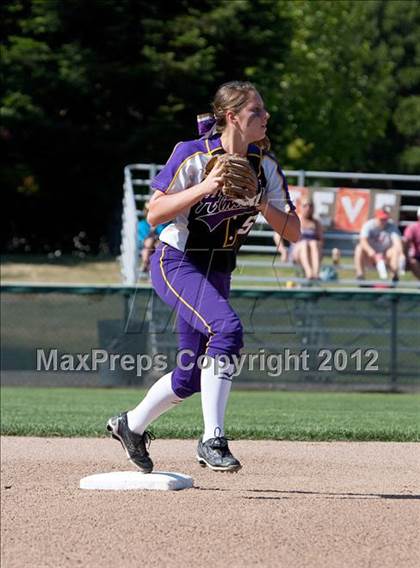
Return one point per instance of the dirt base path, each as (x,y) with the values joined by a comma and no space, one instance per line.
(293,504)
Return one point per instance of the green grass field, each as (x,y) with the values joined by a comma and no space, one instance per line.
(251,415)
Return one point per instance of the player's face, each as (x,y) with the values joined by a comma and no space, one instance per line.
(252,119)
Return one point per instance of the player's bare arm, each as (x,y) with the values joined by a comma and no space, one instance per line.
(164,207)
(285,224)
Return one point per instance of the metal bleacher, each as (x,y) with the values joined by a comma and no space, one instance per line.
(137,178)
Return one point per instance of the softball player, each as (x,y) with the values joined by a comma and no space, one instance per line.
(191,267)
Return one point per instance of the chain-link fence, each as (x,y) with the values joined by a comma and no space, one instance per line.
(114,336)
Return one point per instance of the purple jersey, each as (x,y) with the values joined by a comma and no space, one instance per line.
(212,231)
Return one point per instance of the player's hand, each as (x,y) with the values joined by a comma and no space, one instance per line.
(213,182)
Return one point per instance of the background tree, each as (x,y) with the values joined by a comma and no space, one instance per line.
(399,31)
(88,87)
(337,86)
(92,86)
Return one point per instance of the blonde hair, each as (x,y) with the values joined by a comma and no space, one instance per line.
(233,96)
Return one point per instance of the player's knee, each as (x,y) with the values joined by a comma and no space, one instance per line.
(231,326)
(229,335)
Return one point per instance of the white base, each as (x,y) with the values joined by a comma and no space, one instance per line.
(124,480)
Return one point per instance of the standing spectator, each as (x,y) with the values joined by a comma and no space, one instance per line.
(380,246)
(307,252)
(412,246)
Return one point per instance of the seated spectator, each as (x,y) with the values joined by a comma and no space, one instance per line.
(147,239)
(411,241)
(307,252)
(380,246)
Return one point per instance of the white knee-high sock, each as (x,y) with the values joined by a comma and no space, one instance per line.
(159,398)
(216,382)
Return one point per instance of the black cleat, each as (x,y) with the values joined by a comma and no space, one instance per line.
(215,454)
(133,444)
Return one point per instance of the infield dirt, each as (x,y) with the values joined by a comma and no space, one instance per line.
(293,504)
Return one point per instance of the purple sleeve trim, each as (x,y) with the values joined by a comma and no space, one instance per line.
(156,186)
(182,151)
